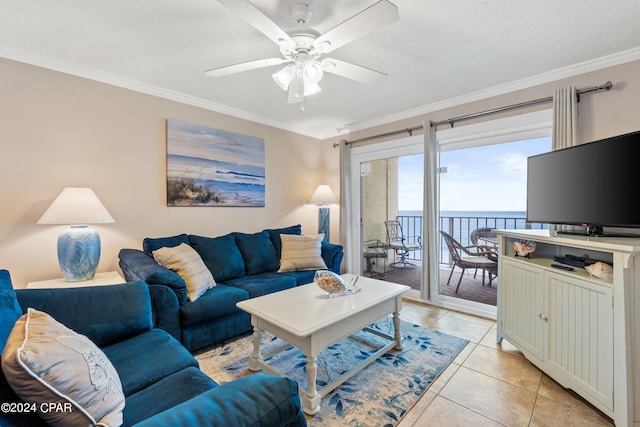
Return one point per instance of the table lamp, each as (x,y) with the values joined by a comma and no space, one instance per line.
(323,196)
(78,245)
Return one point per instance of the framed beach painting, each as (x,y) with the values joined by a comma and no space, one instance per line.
(213,167)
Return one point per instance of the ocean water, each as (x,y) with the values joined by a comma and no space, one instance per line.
(460,224)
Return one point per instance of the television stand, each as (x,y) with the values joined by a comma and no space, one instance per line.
(582,331)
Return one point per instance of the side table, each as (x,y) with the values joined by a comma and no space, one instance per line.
(374,250)
(100,279)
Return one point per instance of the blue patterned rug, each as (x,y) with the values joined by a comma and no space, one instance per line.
(379,395)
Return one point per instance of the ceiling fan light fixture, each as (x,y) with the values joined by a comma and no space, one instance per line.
(296,90)
(312,72)
(284,76)
(311,89)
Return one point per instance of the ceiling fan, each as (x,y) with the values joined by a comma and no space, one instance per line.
(301,48)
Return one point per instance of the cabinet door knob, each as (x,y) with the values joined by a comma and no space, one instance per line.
(542,317)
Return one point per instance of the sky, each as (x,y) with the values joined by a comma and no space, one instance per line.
(487,178)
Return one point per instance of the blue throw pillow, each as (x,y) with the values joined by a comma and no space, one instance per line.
(274,234)
(258,252)
(221,256)
(151,244)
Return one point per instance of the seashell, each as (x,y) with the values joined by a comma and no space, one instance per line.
(524,247)
(601,270)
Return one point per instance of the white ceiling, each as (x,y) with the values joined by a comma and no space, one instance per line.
(438,54)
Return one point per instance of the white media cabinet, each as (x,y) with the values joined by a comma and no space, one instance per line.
(582,331)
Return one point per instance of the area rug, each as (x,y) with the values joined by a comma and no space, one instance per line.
(379,395)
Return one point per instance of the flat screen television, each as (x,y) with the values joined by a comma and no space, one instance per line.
(594,185)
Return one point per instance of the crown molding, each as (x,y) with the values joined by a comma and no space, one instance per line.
(558,74)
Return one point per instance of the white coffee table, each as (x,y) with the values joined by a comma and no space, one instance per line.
(306,318)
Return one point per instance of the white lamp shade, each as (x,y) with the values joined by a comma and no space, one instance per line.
(76,205)
(323,196)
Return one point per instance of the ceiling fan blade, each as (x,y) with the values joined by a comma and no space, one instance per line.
(352,71)
(369,20)
(259,20)
(245,66)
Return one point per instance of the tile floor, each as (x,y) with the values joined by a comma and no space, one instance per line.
(490,384)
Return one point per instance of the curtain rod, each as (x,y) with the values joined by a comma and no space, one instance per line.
(606,86)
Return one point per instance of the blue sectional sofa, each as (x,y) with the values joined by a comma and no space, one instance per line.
(243,265)
(160,380)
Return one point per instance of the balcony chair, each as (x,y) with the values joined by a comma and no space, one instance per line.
(479,233)
(478,239)
(397,241)
(476,257)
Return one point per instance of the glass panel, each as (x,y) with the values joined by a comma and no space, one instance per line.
(392,192)
(481,188)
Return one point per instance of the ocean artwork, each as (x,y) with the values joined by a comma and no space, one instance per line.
(213,167)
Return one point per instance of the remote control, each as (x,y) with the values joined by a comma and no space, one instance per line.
(562,267)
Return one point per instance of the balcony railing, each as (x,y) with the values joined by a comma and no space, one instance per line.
(460,228)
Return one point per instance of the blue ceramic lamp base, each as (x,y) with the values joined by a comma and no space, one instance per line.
(78,253)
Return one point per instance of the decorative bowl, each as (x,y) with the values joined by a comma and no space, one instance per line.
(333,284)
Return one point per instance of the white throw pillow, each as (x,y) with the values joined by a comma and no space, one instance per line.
(65,375)
(301,253)
(185,261)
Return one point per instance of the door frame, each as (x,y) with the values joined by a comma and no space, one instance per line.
(366,153)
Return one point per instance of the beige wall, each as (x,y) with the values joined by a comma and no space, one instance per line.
(57,130)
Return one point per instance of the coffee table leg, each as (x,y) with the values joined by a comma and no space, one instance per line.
(256,357)
(311,399)
(396,327)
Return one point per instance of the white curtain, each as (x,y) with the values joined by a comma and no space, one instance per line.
(565,118)
(565,129)
(346,205)
(430,230)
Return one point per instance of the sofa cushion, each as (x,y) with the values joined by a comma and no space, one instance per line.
(136,366)
(137,265)
(9,308)
(263,283)
(301,253)
(127,308)
(165,394)
(221,256)
(217,302)
(258,252)
(274,235)
(302,277)
(9,312)
(185,261)
(151,244)
(44,361)
(258,400)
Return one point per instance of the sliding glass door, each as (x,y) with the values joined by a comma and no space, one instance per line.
(389,191)
(482,187)
(474,171)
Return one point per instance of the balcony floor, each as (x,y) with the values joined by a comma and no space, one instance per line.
(470,289)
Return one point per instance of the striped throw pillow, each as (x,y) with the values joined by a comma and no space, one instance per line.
(301,253)
(185,261)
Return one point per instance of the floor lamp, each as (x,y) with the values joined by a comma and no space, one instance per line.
(78,245)
(323,196)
